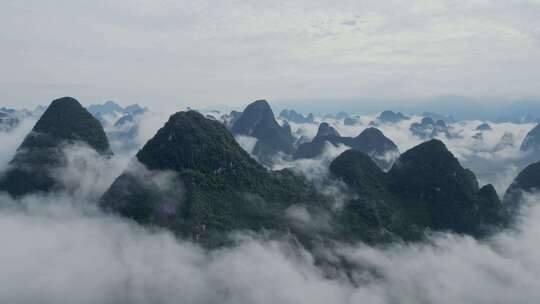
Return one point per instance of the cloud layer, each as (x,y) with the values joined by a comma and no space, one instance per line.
(181,52)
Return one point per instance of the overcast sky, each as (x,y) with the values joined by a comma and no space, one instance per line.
(173,53)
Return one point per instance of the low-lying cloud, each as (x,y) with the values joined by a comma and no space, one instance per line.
(9,141)
(60,252)
(60,248)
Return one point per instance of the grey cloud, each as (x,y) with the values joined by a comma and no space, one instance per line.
(349,23)
(63,253)
(170,52)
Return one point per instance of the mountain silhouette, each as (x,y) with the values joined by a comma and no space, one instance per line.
(258,121)
(64,122)
(222,187)
(426,188)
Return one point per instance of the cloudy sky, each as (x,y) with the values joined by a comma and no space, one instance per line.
(174,53)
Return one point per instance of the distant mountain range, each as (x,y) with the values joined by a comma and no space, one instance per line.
(427,128)
(195,180)
(11,118)
(293,116)
(110,107)
(371,141)
(120,123)
(460,108)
